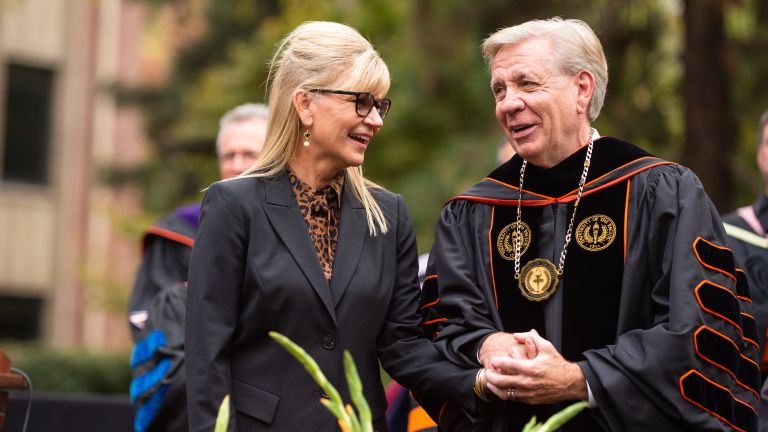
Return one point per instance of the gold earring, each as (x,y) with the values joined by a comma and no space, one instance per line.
(306,138)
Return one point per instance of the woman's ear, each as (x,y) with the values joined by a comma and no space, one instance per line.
(585,83)
(302,103)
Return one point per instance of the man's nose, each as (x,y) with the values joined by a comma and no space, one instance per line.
(512,102)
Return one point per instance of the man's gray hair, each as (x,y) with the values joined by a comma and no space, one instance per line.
(241,113)
(575,45)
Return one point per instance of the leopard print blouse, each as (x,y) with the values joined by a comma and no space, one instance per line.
(321,210)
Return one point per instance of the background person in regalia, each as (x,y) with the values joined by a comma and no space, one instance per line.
(747,227)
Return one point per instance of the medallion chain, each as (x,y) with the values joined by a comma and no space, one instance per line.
(568,234)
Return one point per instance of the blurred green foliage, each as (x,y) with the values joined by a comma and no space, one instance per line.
(71,371)
(441,135)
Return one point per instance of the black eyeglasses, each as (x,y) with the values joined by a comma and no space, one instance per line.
(364,102)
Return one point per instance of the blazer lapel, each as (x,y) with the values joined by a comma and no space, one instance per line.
(353,231)
(285,218)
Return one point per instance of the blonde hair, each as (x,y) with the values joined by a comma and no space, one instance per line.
(576,48)
(314,55)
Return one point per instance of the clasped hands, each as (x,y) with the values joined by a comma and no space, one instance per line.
(527,368)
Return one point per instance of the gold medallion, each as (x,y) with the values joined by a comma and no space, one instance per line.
(538,279)
(505,242)
(595,233)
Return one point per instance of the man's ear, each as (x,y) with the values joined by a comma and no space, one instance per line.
(585,84)
(302,103)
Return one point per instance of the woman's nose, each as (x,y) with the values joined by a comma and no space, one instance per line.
(374,118)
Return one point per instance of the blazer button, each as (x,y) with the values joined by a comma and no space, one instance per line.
(329,342)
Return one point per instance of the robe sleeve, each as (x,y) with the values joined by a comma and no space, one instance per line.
(404,352)
(163,265)
(690,364)
(457,316)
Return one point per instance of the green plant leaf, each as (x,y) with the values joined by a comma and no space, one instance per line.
(314,370)
(356,393)
(354,425)
(222,419)
(531,426)
(562,417)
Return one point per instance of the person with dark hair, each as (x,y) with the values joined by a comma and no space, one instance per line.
(157,303)
(586,269)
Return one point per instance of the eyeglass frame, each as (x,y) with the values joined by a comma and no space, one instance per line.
(376,103)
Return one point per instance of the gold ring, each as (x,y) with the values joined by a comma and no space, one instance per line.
(511,394)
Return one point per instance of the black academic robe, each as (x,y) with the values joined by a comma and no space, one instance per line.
(166,247)
(157,303)
(752,256)
(650,304)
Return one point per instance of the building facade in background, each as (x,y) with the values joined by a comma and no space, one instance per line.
(66,265)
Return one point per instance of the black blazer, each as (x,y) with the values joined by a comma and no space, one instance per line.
(254,269)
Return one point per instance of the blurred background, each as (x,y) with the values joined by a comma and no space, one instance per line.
(109,111)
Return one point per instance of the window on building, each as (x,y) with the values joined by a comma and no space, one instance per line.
(27,125)
(20,318)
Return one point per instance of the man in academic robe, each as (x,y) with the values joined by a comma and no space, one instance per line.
(167,243)
(585,269)
(158,300)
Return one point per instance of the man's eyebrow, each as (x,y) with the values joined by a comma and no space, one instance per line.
(517,77)
(521,76)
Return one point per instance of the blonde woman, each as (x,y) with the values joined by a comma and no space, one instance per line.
(304,245)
